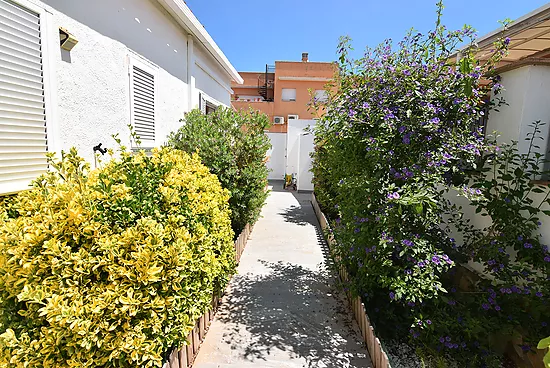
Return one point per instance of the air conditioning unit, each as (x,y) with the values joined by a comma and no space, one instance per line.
(279,120)
(291,117)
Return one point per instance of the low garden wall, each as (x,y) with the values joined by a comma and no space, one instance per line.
(378,357)
(185,357)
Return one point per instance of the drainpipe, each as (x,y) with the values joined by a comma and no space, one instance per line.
(190,72)
(458,56)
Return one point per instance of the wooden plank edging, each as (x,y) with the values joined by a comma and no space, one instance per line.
(377,355)
(185,357)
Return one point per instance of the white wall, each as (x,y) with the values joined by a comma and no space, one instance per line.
(277,156)
(294,153)
(92,81)
(305,176)
(528,98)
(210,78)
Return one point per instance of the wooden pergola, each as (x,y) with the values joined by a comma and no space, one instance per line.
(529,41)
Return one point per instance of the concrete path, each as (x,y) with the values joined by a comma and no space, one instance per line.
(283,309)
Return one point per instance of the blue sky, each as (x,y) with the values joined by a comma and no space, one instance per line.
(254,33)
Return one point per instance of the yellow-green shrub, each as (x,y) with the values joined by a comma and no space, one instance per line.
(111,267)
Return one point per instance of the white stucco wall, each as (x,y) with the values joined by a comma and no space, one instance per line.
(277,156)
(295,153)
(210,78)
(305,163)
(92,85)
(527,95)
(528,99)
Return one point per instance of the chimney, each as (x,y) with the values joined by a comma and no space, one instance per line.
(305,57)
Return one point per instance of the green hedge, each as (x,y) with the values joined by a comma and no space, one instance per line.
(234,146)
(111,267)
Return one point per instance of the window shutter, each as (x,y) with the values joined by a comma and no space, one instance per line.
(289,94)
(202,103)
(23,139)
(143,105)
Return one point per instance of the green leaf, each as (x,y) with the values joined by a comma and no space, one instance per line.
(544,343)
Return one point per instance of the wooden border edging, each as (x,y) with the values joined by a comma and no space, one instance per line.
(377,355)
(185,357)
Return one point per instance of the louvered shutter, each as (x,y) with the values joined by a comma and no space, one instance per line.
(23,139)
(143,105)
(202,103)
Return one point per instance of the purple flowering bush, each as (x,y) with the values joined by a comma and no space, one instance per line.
(401,132)
(516,262)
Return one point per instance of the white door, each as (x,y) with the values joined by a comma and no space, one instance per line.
(305,176)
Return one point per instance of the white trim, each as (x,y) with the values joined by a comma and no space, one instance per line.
(48,40)
(51,52)
(181,12)
(306,79)
(209,99)
(213,75)
(145,65)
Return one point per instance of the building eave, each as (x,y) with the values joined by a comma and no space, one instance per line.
(524,22)
(185,17)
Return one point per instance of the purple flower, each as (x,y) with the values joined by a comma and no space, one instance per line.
(436,260)
(402,129)
(485,306)
(528,245)
(393,195)
(356,230)
(497,308)
(442,339)
(407,242)
(392,295)
(429,322)
(547,259)
(421,264)
(539,294)
(406,72)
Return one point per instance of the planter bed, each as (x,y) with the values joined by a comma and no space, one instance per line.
(377,354)
(401,354)
(185,357)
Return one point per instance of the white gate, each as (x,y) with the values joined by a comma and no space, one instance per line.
(277,156)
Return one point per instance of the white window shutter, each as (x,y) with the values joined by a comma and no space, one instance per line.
(321,95)
(202,103)
(23,139)
(143,104)
(289,94)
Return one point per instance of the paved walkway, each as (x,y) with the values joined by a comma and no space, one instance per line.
(282,309)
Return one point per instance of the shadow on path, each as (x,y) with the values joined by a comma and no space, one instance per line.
(290,309)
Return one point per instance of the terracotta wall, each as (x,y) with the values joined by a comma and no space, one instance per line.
(301,76)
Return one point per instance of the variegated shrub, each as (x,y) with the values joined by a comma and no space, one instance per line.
(111,267)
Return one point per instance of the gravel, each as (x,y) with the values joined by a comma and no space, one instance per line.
(401,355)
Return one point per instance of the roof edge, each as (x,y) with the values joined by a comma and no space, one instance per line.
(179,10)
(536,16)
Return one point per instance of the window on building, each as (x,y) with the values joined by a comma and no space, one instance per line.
(207,104)
(143,102)
(321,95)
(23,138)
(289,94)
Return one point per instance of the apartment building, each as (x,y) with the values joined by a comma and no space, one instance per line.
(282,91)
